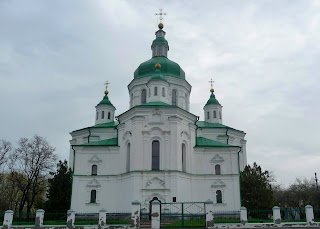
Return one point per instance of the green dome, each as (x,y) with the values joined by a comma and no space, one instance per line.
(160,40)
(168,68)
(157,76)
(106,101)
(212,100)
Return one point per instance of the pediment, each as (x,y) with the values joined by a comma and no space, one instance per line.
(155,183)
(217,159)
(95,159)
(218,183)
(94,184)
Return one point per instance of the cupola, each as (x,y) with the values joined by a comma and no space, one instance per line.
(105,110)
(213,109)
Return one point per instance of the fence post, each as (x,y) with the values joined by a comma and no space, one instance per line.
(102,217)
(276,215)
(155,214)
(243,215)
(309,214)
(135,214)
(7,221)
(71,216)
(209,214)
(39,218)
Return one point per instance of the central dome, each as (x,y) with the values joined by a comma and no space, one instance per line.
(168,68)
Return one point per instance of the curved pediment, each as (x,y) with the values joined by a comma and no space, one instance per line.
(95,159)
(155,183)
(218,183)
(217,159)
(94,184)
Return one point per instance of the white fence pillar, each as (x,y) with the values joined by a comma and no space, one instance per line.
(276,215)
(135,214)
(155,214)
(243,215)
(7,221)
(309,214)
(71,216)
(39,218)
(209,214)
(102,217)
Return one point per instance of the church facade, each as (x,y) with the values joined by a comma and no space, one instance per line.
(157,149)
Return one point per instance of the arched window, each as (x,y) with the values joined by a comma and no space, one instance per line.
(128,158)
(94,170)
(155,155)
(184,157)
(102,115)
(217,169)
(174,97)
(208,115)
(214,114)
(109,115)
(93,196)
(163,92)
(143,96)
(155,91)
(219,196)
(97,115)
(149,92)
(220,114)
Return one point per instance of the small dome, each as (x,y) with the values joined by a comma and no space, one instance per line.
(168,68)
(157,76)
(212,100)
(106,100)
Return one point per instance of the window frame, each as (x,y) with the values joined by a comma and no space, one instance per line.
(93,196)
(92,170)
(155,159)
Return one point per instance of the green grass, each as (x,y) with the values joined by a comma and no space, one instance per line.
(227,220)
(187,223)
(55,222)
(23,223)
(253,220)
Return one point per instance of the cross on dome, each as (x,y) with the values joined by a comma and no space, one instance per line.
(107,84)
(160,14)
(211,82)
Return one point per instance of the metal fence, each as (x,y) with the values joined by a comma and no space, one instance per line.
(55,218)
(293,215)
(226,216)
(260,216)
(316,213)
(176,215)
(119,218)
(24,219)
(85,218)
(1,219)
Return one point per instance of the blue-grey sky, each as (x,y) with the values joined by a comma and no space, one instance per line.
(264,56)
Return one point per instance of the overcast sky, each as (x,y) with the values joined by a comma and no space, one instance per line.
(264,56)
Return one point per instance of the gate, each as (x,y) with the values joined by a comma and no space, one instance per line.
(145,218)
(177,215)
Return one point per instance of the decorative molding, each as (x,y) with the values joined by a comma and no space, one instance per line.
(155,183)
(94,159)
(217,159)
(185,133)
(218,183)
(93,184)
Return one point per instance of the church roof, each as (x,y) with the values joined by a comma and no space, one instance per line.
(205,142)
(152,104)
(101,125)
(168,68)
(157,76)
(106,142)
(160,40)
(212,100)
(106,100)
(203,124)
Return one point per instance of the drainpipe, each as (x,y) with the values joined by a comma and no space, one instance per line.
(89,135)
(74,158)
(117,118)
(239,174)
(196,128)
(227,135)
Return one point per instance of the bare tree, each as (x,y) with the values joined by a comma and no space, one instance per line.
(5,148)
(33,159)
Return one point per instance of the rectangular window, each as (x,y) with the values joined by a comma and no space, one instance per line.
(155,91)
(97,115)
(220,114)
(109,114)
(214,114)
(174,199)
(102,114)
(208,115)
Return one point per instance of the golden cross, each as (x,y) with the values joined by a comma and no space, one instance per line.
(211,82)
(107,84)
(160,14)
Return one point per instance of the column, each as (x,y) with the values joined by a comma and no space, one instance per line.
(39,218)
(102,218)
(309,214)
(8,217)
(155,214)
(276,215)
(243,216)
(209,214)
(135,214)
(71,216)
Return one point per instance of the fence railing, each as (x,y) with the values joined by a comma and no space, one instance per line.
(260,216)
(24,219)
(316,213)
(119,218)
(55,218)
(293,215)
(226,216)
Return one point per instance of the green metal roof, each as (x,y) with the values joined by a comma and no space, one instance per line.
(157,76)
(160,40)
(205,142)
(101,125)
(203,124)
(152,104)
(106,142)
(212,100)
(168,68)
(106,101)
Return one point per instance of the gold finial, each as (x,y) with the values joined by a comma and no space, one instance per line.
(160,14)
(106,91)
(211,82)
(158,65)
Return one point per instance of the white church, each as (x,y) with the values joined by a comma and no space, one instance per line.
(157,149)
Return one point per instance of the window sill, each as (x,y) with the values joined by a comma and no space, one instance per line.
(92,203)
(220,204)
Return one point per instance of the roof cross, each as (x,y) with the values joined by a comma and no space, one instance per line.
(211,82)
(160,14)
(107,84)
